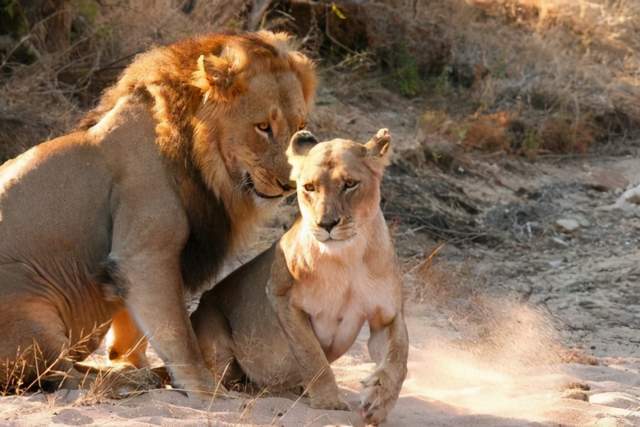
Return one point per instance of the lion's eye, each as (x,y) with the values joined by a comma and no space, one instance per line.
(309,187)
(350,184)
(264,127)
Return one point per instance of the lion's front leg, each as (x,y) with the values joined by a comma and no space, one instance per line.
(389,348)
(155,299)
(144,266)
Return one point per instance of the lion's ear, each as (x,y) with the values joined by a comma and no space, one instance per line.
(379,146)
(305,70)
(217,75)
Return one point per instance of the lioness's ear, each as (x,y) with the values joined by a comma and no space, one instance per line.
(217,75)
(379,146)
(299,146)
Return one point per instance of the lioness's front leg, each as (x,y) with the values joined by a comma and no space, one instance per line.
(389,348)
(314,367)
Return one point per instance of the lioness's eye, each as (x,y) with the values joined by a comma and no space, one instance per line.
(350,183)
(309,187)
(264,127)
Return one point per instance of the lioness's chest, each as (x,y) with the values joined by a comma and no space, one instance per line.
(339,302)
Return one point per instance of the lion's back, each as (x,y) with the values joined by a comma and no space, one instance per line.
(54,198)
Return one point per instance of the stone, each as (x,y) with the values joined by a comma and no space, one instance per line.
(608,180)
(567,225)
(557,241)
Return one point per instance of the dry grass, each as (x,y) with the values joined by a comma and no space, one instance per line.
(567,71)
(32,369)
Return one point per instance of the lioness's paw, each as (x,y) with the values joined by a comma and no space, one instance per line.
(378,397)
(334,403)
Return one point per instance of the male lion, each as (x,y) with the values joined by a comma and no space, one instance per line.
(163,179)
(332,271)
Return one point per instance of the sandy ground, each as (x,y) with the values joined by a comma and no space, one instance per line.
(540,328)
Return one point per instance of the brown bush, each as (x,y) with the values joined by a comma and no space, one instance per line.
(489,132)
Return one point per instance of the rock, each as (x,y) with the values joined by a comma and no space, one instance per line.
(584,222)
(608,180)
(557,241)
(555,263)
(629,200)
(567,225)
(632,196)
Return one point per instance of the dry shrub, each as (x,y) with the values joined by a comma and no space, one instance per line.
(489,132)
(560,135)
(564,72)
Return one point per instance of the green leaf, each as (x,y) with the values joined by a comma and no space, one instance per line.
(336,11)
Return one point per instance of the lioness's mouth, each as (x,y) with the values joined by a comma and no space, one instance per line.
(251,186)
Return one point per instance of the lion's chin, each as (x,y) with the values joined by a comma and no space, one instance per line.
(250,186)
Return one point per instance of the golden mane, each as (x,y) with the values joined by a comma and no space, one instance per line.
(203,76)
(175,79)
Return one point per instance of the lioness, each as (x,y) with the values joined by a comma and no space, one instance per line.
(162,180)
(332,271)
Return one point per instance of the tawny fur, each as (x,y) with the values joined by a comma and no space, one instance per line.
(321,287)
(147,198)
(190,85)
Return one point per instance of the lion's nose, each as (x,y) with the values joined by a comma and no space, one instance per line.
(328,225)
(286,186)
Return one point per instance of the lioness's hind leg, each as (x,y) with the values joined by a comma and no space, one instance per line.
(129,343)
(216,344)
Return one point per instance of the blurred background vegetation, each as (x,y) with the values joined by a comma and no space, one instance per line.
(525,77)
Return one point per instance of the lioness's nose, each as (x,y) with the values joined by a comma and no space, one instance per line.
(328,225)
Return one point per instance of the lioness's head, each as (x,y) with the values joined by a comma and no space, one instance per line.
(338,186)
(256,94)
